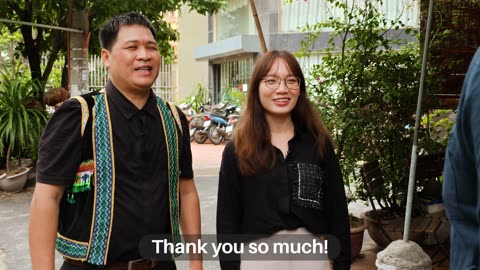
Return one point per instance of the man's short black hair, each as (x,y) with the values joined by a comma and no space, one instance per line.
(109,31)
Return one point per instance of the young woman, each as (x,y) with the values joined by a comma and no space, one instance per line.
(279,174)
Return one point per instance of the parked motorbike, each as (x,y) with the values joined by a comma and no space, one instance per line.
(221,128)
(187,110)
(215,123)
(199,127)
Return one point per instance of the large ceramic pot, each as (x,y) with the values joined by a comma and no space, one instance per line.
(14,183)
(356,239)
(392,230)
(54,96)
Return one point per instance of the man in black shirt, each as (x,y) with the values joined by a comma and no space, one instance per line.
(114,165)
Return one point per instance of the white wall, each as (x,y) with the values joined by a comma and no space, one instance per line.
(193,29)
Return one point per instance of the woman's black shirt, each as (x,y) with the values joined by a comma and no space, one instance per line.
(301,190)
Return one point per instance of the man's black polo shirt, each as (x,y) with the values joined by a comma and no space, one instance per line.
(141,205)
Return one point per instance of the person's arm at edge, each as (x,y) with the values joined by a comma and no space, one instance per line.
(190,217)
(229,207)
(43,224)
(471,112)
(338,211)
(189,201)
(470,123)
(476,135)
(62,137)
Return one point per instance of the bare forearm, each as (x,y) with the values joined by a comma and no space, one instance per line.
(190,218)
(190,215)
(43,229)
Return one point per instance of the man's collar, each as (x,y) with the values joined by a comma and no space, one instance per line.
(125,106)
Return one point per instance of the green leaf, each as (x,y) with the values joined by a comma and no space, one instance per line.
(368,90)
(20,124)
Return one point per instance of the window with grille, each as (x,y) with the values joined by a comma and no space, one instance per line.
(236,19)
(300,12)
(236,74)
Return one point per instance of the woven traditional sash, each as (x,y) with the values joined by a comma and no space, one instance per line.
(104,182)
(96,251)
(171,135)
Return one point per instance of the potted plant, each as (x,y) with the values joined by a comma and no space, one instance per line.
(367,88)
(357,231)
(22,120)
(357,227)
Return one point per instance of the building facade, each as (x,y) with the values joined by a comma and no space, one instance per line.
(192,28)
(233,45)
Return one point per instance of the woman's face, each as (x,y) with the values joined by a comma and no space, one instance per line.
(279,100)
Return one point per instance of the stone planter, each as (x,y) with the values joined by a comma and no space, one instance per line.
(402,255)
(14,183)
(393,229)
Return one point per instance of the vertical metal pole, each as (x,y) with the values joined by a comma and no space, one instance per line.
(259,26)
(413,159)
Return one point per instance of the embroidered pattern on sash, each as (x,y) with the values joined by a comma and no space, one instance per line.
(104,182)
(172,151)
(71,249)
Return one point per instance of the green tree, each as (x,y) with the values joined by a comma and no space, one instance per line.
(8,43)
(21,118)
(43,42)
(366,87)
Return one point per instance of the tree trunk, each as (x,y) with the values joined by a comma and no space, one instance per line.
(32,50)
(78,60)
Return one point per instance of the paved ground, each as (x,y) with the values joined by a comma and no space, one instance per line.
(14,213)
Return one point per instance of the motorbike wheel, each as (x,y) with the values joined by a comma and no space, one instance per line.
(192,131)
(215,135)
(199,137)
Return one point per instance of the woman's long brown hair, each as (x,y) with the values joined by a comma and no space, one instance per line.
(252,135)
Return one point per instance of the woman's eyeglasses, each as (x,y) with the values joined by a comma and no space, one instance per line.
(273,82)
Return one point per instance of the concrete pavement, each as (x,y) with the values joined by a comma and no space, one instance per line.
(206,158)
(15,208)
(14,214)
(206,163)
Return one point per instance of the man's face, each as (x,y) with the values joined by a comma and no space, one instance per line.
(133,62)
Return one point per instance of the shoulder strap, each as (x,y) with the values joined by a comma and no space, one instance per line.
(85,113)
(87,101)
(175,114)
